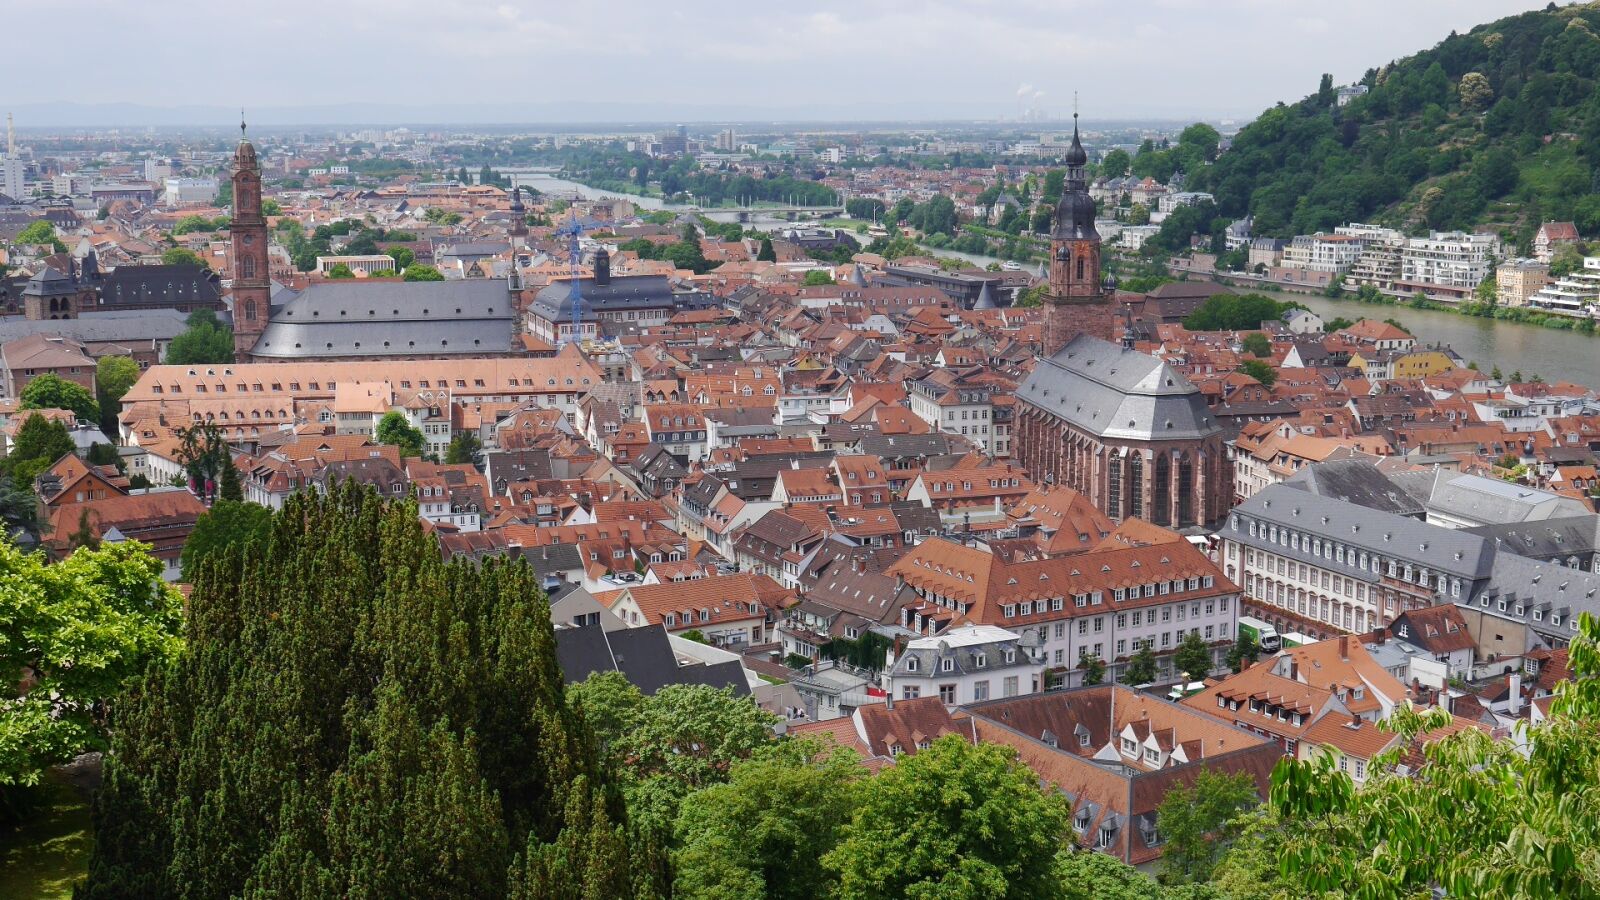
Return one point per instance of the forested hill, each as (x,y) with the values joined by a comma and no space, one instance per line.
(1499,126)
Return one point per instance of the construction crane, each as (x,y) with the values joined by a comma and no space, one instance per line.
(572,230)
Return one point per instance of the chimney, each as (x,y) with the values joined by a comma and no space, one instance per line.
(1514,692)
(1344,647)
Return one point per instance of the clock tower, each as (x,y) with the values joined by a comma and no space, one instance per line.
(252,283)
(1080,300)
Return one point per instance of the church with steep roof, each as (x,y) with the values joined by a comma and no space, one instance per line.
(1121,427)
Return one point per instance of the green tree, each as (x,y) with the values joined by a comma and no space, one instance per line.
(1256,344)
(1235,312)
(191,224)
(40,231)
(953,820)
(228,487)
(271,207)
(1091,875)
(1116,163)
(1138,214)
(1244,648)
(404,721)
(1193,656)
(817,278)
(340,270)
(1195,822)
(420,272)
(779,812)
(1141,669)
(1337,323)
(403,257)
(181,256)
(1475,90)
(205,457)
(1482,817)
(113,376)
(78,630)
(465,448)
(1094,668)
(1260,370)
(393,429)
(37,446)
(206,341)
(766,253)
(229,526)
(51,391)
(674,742)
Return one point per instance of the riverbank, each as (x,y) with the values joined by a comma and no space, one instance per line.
(1473,309)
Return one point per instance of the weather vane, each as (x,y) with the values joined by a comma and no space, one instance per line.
(241,122)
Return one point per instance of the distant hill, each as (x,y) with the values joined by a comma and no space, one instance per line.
(1499,126)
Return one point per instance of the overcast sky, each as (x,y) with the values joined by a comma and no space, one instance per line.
(800,60)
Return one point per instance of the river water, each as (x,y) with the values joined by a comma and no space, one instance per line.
(1513,346)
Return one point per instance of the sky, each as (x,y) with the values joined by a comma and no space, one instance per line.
(380,61)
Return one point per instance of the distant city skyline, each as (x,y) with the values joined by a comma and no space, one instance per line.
(300,62)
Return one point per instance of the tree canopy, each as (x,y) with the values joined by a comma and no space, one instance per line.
(113,376)
(394,429)
(1481,818)
(228,526)
(51,391)
(206,341)
(77,631)
(38,444)
(355,717)
(181,256)
(1235,312)
(953,820)
(1500,123)
(421,272)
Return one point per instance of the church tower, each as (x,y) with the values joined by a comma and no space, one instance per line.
(252,283)
(519,220)
(1080,302)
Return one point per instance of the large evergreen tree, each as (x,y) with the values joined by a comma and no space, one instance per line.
(357,718)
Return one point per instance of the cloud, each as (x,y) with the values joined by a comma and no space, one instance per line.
(827,58)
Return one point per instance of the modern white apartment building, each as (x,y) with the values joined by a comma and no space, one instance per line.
(1448,264)
(1323,252)
(1576,293)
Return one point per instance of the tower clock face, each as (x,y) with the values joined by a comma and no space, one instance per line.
(249,239)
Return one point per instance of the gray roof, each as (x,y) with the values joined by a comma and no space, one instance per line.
(1385,534)
(1547,539)
(1114,392)
(643,655)
(554,301)
(469,317)
(1357,481)
(92,327)
(1490,500)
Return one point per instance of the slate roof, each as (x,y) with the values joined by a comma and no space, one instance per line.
(1547,539)
(95,327)
(1117,393)
(1357,481)
(643,655)
(468,317)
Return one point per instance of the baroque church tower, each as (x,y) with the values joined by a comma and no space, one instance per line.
(1080,302)
(252,282)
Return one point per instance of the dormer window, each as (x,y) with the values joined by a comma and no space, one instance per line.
(947,665)
(911,664)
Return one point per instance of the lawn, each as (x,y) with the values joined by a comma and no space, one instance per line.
(46,854)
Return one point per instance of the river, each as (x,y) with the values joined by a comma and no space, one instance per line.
(1513,346)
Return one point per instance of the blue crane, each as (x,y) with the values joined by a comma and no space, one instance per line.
(572,230)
